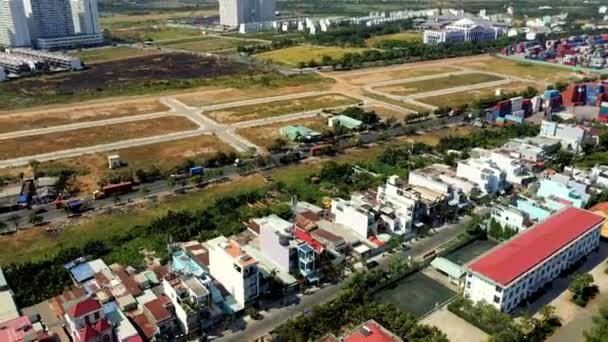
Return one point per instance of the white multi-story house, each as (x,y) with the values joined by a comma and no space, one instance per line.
(403,203)
(189,296)
(236,270)
(572,137)
(488,177)
(525,150)
(442,179)
(86,321)
(511,272)
(599,175)
(510,217)
(357,214)
(509,163)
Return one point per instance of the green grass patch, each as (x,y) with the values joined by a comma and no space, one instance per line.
(209,44)
(110,53)
(521,69)
(36,245)
(152,34)
(402,36)
(451,81)
(295,55)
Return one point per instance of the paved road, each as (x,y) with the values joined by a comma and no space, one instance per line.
(238,143)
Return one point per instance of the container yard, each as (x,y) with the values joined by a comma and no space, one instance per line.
(587,51)
(513,111)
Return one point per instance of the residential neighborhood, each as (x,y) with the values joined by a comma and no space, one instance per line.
(303,171)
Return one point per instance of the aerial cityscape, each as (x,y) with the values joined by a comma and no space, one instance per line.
(275,170)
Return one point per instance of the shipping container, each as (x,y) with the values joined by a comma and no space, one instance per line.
(196,171)
(515,119)
(118,189)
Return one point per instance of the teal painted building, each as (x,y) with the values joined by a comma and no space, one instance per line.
(564,189)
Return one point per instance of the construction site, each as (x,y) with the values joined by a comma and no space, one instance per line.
(165,131)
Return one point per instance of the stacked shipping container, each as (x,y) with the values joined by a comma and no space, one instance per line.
(603,114)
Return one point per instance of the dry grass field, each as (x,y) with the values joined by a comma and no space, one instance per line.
(521,69)
(292,56)
(467,97)
(277,108)
(368,77)
(32,145)
(451,81)
(18,121)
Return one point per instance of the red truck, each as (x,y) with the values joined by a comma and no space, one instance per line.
(114,189)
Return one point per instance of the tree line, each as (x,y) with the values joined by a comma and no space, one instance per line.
(501,326)
(353,306)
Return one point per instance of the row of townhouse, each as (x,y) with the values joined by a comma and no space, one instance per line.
(516,161)
(201,284)
(550,194)
(431,196)
(513,271)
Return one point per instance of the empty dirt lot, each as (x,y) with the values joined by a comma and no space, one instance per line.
(69,115)
(277,108)
(450,81)
(32,145)
(266,135)
(521,69)
(386,113)
(276,87)
(362,78)
(467,97)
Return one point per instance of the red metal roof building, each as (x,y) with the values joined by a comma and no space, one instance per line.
(370,331)
(533,258)
(85,307)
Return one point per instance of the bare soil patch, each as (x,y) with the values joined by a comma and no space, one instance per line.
(32,145)
(69,115)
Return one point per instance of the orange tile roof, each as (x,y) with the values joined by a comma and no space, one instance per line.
(235,251)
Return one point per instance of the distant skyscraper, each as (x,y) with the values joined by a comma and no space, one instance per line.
(13,25)
(236,12)
(49,18)
(85,16)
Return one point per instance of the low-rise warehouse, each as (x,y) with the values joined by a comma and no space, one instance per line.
(300,133)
